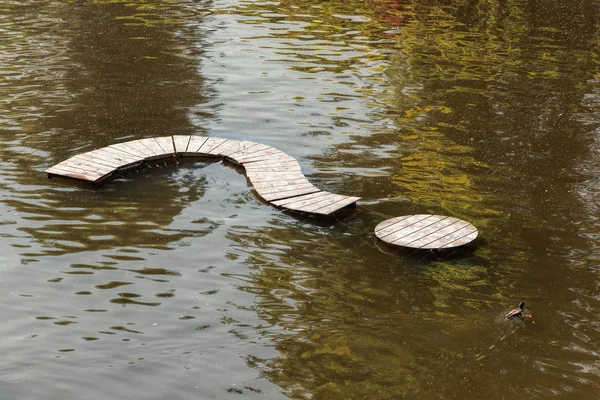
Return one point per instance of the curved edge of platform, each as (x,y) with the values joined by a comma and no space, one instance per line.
(426,232)
(275,175)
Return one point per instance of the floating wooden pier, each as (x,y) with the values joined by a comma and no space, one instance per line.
(275,175)
(425,231)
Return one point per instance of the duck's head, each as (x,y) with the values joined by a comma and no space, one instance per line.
(522,305)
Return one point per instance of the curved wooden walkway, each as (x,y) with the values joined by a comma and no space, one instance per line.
(275,175)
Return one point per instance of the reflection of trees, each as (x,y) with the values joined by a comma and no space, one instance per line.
(136,211)
(487,106)
(488,121)
(138,71)
(511,79)
(108,71)
(350,324)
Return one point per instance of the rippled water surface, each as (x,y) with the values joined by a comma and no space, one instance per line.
(177,282)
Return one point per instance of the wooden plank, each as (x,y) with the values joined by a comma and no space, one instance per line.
(58,169)
(70,166)
(273,158)
(195,143)
(181,143)
(282,203)
(301,201)
(427,234)
(225,147)
(271,155)
(274,170)
(448,236)
(243,145)
(254,151)
(117,155)
(87,168)
(275,184)
(323,202)
(408,230)
(463,240)
(267,154)
(113,159)
(135,149)
(273,176)
(86,165)
(84,176)
(126,160)
(288,193)
(78,173)
(299,204)
(400,225)
(330,209)
(88,157)
(137,144)
(166,144)
(120,154)
(287,187)
(151,145)
(272,165)
(389,222)
(210,144)
(248,150)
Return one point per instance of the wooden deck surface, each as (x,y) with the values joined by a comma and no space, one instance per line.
(275,175)
(425,231)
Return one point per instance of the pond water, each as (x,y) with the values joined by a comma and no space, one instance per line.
(177,282)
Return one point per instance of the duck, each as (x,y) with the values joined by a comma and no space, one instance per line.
(517,312)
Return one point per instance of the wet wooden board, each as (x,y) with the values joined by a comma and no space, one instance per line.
(274,170)
(85,164)
(65,169)
(267,155)
(243,145)
(333,207)
(120,160)
(195,143)
(87,158)
(425,231)
(284,166)
(125,159)
(132,148)
(154,147)
(323,202)
(284,194)
(301,201)
(284,188)
(225,147)
(181,143)
(80,175)
(275,175)
(210,144)
(248,150)
(119,154)
(166,144)
(270,184)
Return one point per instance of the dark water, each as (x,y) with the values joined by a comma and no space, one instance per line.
(177,282)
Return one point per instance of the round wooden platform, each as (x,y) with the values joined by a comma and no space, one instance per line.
(426,231)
